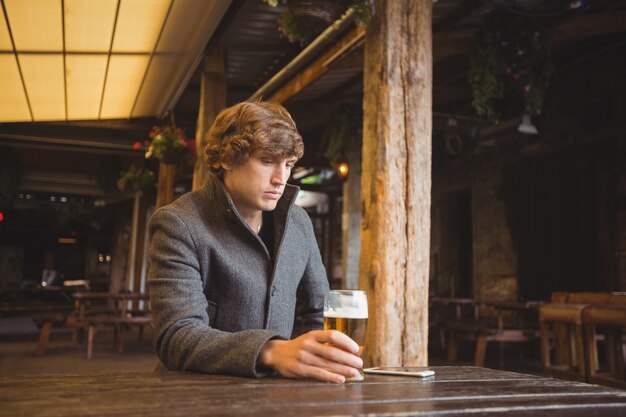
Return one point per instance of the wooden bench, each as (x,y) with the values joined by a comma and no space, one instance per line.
(443,310)
(507,326)
(569,318)
(563,337)
(609,320)
(516,323)
(120,324)
(122,318)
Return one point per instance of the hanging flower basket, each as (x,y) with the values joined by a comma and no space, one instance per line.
(303,20)
(317,13)
(510,59)
(168,144)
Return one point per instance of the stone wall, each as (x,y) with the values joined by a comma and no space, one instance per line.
(493,259)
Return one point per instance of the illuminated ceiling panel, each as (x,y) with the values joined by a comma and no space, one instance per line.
(100,59)
(89,25)
(5,40)
(36,25)
(43,75)
(150,100)
(85,78)
(182,28)
(188,22)
(122,84)
(139,23)
(13,105)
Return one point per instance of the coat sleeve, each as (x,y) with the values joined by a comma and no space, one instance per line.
(183,337)
(313,286)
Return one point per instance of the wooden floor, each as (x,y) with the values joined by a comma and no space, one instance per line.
(18,339)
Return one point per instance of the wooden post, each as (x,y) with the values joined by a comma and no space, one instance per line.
(137,254)
(212,101)
(396,182)
(351,222)
(132,253)
(165,185)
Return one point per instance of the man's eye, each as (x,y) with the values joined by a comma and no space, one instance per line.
(267,161)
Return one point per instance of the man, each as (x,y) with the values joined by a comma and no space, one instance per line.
(234,265)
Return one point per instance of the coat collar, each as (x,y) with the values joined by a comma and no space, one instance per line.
(216,192)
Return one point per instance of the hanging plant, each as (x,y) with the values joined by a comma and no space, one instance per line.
(303,20)
(135,179)
(510,57)
(295,30)
(168,144)
(343,133)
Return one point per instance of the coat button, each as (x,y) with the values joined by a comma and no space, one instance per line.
(273,293)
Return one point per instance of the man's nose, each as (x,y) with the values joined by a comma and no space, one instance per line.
(280,175)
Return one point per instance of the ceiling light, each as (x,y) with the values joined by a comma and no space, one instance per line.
(105,59)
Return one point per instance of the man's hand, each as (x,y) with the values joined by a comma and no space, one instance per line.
(327,355)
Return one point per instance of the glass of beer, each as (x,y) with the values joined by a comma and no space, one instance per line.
(346,311)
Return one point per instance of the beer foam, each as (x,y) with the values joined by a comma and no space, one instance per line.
(347,312)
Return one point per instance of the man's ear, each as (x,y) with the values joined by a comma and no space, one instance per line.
(226,166)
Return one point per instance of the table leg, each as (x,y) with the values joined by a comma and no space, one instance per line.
(481,348)
(44,337)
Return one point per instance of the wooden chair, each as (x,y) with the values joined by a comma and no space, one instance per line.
(567,318)
(610,321)
(122,321)
(444,312)
(520,330)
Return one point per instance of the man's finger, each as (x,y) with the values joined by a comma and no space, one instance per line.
(339,339)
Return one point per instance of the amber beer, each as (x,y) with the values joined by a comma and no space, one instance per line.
(355,328)
(346,311)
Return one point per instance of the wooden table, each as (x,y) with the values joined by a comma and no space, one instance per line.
(93,310)
(452,391)
(119,317)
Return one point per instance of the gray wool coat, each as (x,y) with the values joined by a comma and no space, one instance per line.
(216,295)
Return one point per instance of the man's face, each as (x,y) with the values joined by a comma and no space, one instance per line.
(257,184)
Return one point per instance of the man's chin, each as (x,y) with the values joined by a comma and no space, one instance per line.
(270,206)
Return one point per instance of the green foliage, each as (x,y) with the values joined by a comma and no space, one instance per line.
(510,56)
(363,10)
(296,30)
(342,133)
(135,179)
(168,144)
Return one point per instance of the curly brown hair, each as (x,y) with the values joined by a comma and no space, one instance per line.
(242,129)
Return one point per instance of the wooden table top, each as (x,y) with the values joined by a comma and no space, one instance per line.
(454,390)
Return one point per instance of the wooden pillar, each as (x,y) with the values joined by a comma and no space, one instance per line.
(165,185)
(138,253)
(212,101)
(132,253)
(396,183)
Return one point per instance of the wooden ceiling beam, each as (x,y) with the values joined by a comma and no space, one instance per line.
(447,44)
(352,40)
(585,26)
